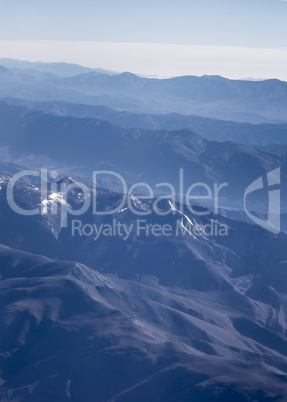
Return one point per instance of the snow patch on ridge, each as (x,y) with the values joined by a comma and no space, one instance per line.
(53,199)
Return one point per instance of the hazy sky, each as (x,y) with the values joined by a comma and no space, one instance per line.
(210,29)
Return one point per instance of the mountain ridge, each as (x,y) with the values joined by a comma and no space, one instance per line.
(212,129)
(206,96)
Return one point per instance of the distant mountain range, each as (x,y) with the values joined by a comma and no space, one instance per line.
(206,96)
(62,69)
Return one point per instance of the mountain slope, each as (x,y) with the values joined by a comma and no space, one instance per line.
(71,334)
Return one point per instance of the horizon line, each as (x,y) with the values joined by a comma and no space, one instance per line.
(155,60)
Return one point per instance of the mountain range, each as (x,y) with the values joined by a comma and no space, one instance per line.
(97,301)
(206,96)
(176,318)
(150,156)
(268,135)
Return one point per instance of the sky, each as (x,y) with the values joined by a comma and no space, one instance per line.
(234,38)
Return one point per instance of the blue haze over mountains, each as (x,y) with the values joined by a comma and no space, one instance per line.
(179,318)
(207,96)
